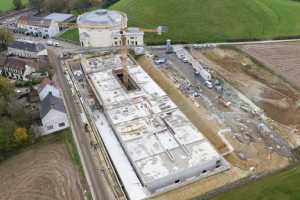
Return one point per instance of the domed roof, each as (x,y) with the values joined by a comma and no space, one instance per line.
(102,17)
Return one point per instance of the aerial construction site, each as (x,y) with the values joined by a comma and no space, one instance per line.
(166,131)
(177,122)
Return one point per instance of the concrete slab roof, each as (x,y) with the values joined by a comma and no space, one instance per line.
(157,137)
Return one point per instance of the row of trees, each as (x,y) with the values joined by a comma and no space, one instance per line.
(14,123)
(62,5)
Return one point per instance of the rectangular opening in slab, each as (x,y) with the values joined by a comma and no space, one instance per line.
(120,77)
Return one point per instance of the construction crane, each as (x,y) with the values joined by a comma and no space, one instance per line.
(124,47)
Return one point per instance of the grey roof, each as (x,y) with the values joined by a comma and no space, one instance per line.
(17,63)
(101,17)
(59,17)
(45,81)
(51,102)
(27,46)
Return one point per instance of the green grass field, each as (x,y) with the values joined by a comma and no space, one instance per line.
(282,186)
(6,5)
(71,35)
(214,20)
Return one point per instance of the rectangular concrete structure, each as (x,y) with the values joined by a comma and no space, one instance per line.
(162,145)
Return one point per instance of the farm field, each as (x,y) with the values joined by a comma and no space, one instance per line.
(43,171)
(6,5)
(281,58)
(191,21)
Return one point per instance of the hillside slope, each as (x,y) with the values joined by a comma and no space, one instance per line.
(214,20)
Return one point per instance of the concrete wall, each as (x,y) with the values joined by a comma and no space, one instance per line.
(96,38)
(196,171)
(53,29)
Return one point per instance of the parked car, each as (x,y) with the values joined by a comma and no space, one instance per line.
(159,61)
(185,60)
(52,43)
(209,84)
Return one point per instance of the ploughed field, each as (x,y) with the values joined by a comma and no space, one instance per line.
(282,58)
(215,20)
(44,172)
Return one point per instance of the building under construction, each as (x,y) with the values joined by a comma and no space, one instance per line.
(161,145)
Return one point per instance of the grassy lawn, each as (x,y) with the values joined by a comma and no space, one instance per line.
(281,186)
(6,5)
(71,35)
(214,20)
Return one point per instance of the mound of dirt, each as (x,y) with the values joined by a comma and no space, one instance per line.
(44,172)
(281,104)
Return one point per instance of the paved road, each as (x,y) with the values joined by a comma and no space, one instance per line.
(97,182)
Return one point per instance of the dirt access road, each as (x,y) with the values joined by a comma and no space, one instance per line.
(44,172)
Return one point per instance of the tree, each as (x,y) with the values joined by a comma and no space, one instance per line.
(6,89)
(37,4)
(21,135)
(80,4)
(55,5)
(5,38)
(18,4)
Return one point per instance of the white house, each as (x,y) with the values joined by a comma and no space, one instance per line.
(26,49)
(37,26)
(48,86)
(53,115)
(18,69)
(102,28)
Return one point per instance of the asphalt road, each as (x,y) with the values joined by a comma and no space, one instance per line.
(97,182)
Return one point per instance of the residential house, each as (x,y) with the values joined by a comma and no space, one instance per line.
(18,68)
(37,26)
(48,86)
(53,114)
(27,49)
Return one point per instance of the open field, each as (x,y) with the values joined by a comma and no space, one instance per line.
(42,171)
(201,20)
(284,185)
(283,59)
(6,5)
(71,35)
